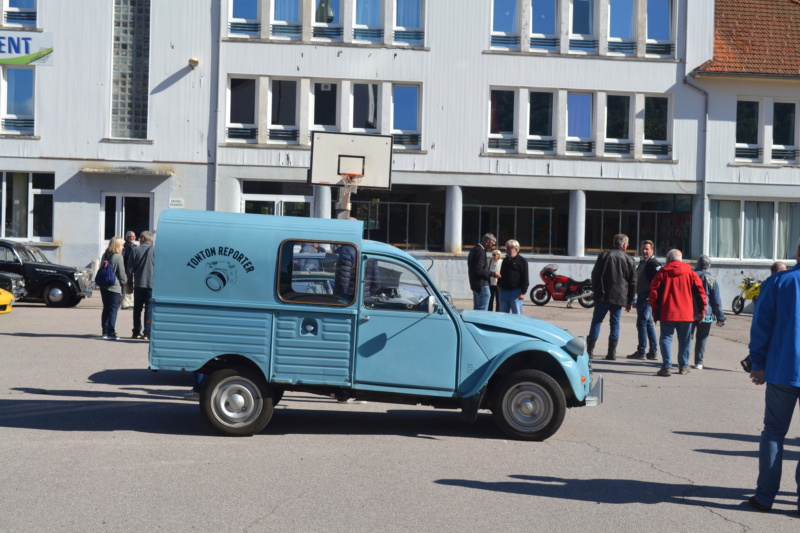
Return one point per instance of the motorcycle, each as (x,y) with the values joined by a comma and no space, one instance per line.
(750,291)
(561,288)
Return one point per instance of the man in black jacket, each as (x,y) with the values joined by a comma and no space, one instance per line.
(479,273)
(645,272)
(513,282)
(614,286)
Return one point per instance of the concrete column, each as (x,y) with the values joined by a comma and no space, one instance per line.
(452,222)
(576,245)
(701,230)
(322,202)
(524,10)
(265,17)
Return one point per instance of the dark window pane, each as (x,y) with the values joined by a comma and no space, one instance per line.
(284,102)
(137,214)
(327,11)
(583,17)
(747,122)
(365,105)
(655,118)
(541,114)
(42,215)
(44,181)
(243,101)
(109,222)
(783,127)
(502,112)
(259,207)
(617,116)
(325,104)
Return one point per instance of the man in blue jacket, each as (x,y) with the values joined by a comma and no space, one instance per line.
(775,356)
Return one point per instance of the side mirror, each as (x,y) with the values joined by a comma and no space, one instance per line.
(431,304)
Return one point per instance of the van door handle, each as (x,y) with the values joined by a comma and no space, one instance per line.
(365,318)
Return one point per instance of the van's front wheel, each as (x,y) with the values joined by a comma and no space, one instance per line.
(236,402)
(529,405)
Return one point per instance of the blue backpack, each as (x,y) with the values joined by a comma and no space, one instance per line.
(105,274)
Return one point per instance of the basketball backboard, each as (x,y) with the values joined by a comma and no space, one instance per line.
(335,154)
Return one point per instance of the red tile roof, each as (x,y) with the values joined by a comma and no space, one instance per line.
(758,37)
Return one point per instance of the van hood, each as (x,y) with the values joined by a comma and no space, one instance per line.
(487,322)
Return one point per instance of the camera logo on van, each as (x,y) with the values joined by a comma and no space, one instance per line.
(221,266)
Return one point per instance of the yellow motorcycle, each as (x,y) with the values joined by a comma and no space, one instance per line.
(750,291)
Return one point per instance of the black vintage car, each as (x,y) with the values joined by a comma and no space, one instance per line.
(13,283)
(56,285)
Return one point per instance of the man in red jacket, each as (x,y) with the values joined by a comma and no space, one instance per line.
(677,299)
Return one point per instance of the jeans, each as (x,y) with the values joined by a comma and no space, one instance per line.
(480,299)
(780,401)
(645,326)
(510,302)
(601,309)
(494,298)
(142,297)
(684,331)
(701,332)
(108,318)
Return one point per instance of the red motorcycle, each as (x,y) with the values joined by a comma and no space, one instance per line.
(561,288)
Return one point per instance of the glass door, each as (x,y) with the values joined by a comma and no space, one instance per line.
(125,212)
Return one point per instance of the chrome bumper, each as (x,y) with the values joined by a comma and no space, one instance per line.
(595,396)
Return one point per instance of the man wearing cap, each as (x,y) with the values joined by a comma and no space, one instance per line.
(702,329)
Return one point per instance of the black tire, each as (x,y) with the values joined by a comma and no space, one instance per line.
(738,305)
(74,302)
(56,294)
(277,396)
(587,301)
(236,402)
(540,295)
(529,405)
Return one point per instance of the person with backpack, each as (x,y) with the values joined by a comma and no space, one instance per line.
(110,278)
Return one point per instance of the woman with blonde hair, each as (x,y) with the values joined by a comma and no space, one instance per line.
(111,293)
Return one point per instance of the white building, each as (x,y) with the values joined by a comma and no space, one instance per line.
(555,122)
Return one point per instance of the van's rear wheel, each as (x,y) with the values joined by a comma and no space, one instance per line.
(529,405)
(236,402)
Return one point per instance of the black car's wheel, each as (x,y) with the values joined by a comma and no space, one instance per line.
(73,302)
(540,295)
(738,305)
(587,301)
(56,294)
(236,402)
(529,405)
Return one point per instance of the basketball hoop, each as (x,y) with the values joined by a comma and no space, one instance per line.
(351,182)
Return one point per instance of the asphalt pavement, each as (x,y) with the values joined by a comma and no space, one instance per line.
(90,440)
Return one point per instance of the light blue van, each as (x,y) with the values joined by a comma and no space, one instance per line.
(264,304)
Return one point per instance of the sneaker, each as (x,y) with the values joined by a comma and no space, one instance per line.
(664,372)
(105,335)
(698,367)
(192,396)
(112,337)
(683,370)
(652,355)
(145,337)
(136,336)
(758,506)
(636,355)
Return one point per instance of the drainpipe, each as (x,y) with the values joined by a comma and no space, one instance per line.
(214,126)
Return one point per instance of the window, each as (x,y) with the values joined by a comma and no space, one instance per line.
(408,22)
(621,24)
(659,27)
(393,287)
(27,205)
(501,120)
(747,130)
(242,109)
(326,108)
(405,115)
(788,230)
(656,126)
(784,131)
(318,272)
(743,229)
(286,19)
(131,64)
(504,24)
(283,118)
(369,20)
(579,123)
(244,17)
(20,12)
(540,123)
(18,102)
(618,119)
(327,19)
(365,106)
(543,25)
(582,27)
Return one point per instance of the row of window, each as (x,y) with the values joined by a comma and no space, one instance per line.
(26,205)
(536,25)
(767,131)
(743,229)
(367,22)
(536,113)
(278,119)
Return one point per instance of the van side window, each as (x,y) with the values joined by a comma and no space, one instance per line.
(317,272)
(392,286)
